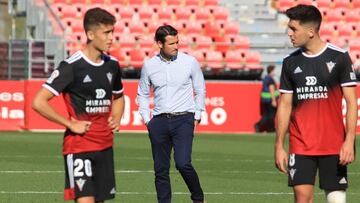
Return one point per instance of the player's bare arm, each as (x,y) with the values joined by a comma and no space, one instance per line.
(273,97)
(347,154)
(116,112)
(41,105)
(283,119)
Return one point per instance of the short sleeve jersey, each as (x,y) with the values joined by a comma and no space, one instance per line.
(316,81)
(87,89)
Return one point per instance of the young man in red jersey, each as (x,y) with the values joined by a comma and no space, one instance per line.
(93,92)
(314,80)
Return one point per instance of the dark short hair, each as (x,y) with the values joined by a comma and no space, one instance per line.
(97,16)
(270,68)
(164,31)
(305,14)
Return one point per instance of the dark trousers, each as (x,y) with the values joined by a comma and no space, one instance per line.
(266,123)
(173,132)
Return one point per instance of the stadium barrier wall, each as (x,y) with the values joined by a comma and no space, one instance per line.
(231,107)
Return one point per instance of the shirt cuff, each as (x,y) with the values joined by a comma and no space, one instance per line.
(197,115)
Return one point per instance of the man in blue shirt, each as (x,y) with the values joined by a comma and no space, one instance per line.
(268,102)
(175,77)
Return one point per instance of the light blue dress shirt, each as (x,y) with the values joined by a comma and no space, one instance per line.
(178,85)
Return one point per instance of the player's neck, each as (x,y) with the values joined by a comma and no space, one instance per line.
(314,47)
(92,53)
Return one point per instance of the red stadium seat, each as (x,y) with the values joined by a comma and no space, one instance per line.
(202,13)
(231,28)
(155,2)
(146,12)
(341,3)
(127,42)
(199,55)
(323,4)
(79,1)
(240,42)
(120,55)
(135,2)
(203,42)
(164,13)
(252,60)
(136,27)
(80,9)
(211,3)
(222,43)
(285,4)
(352,16)
(305,2)
(354,44)
(126,12)
(345,30)
(146,41)
(185,41)
(332,15)
(173,2)
(59,8)
(193,27)
(214,60)
(119,26)
(355,3)
(327,29)
(137,57)
(192,2)
(220,13)
(234,59)
(98,1)
(183,13)
(212,29)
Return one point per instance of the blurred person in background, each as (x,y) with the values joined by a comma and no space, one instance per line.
(314,80)
(175,77)
(93,92)
(268,102)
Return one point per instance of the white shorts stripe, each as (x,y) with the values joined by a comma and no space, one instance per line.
(70,167)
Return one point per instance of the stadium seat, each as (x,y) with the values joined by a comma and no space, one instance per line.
(182,13)
(137,57)
(136,27)
(234,60)
(98,1)
(127,42)
(222,43)
(192,2)
(212,29)
(80,9)
(193,27)
(146,12)
(199,55)
(285,4)
(164,13)
(202,14)
(126,12)
(327,29)
(185,42)
(341,3)
(231,28)
(155,2)
(211,3)
(173,2)
(332,15)
(352,15)
(355,3)
(321,4)
(354,44)
(345,30)
(119,26)
(219,13)
(203,42)
(151,26)
(134,2)
(120,55)
(240,42)
(79,2)
(252,59)
(59,8)
(214,60)
(305,2)
(146,41)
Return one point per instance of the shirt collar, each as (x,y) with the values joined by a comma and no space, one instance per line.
(173,58)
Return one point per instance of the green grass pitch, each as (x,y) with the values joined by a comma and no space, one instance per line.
(232,168)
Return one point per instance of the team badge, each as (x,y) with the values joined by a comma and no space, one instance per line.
(292,173)
(343,181)
(109,76)
(80,183)
(330,65)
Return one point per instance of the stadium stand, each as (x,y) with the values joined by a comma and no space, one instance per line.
(203,25)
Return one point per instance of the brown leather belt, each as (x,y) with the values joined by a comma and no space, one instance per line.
(174,114)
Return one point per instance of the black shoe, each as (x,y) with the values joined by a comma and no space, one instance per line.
(257,128)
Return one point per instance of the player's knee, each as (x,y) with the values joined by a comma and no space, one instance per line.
(183,166)
(338,196)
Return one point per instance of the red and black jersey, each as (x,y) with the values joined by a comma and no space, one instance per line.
(87,89)
(316,123)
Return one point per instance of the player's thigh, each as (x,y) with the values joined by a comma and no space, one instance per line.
(104,175)
(301,170)
(332,175)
